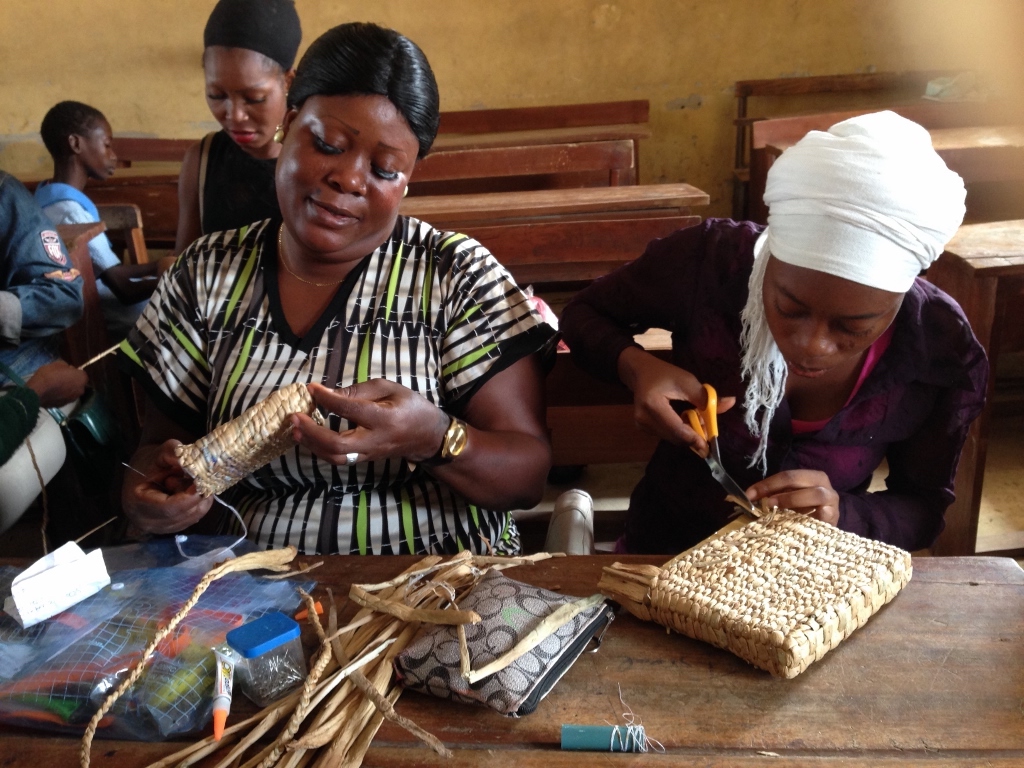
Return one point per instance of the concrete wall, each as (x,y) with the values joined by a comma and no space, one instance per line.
(139,60)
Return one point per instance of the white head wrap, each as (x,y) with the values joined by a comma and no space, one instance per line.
(869,201)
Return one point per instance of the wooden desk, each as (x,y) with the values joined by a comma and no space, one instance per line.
(983,269)
(977,153)
(453,211)
(460,125)
(935,679)
(982,152)
(981,141)
(461,163)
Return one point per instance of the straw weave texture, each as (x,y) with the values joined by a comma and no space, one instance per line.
(780,592)
(238,448)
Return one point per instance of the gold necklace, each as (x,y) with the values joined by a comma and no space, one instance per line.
(280,251)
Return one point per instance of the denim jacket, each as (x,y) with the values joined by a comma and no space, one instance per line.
(40,291)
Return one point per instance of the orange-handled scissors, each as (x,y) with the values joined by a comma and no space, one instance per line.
(705,423)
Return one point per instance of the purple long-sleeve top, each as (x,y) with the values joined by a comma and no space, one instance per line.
(913,409)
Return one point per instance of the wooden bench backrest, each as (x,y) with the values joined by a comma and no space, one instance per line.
(610,159)
(572,252)
(930,114)
(541,118)
(124,226)
(913,82)
(589,421)
(132,149)
(889,87)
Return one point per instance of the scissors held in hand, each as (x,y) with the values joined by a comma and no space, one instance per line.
(705,423)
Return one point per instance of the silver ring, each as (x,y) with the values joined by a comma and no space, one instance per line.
(351,458)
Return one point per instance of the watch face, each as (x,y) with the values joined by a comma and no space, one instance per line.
(455,439)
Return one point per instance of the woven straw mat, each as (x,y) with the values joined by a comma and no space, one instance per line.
(780,592)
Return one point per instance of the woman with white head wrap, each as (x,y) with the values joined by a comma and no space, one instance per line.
(840,354)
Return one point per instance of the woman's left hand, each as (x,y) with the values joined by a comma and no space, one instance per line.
(391,421)
(802,490)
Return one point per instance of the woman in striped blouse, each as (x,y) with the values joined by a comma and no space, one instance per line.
(416,342)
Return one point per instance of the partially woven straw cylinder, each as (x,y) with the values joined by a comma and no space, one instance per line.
(779,592)
(238,448)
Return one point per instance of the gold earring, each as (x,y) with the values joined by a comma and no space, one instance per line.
(279,134)
(405,192)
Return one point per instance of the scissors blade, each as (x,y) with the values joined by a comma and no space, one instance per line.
(730,485)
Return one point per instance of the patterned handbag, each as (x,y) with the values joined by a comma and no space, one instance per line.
(513,616)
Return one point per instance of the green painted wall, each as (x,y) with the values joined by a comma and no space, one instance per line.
(139,60)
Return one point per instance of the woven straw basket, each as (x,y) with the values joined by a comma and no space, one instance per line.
(780,592)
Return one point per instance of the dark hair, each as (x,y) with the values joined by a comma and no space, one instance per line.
(361,58)
(66,119)
(270,27)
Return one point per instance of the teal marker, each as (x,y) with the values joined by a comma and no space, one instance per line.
(604,738)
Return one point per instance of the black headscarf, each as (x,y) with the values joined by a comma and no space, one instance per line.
(270,27)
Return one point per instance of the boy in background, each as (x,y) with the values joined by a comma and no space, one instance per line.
(78,138)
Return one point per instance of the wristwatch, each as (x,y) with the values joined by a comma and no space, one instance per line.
(455,439)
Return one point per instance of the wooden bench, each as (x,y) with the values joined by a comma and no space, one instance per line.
(983,270)
(882,88)
(457,127)
(88,337)
(565,255)
(465,211)
(157,198)
(589,421)
(125,229)
(486,150)
(955,125)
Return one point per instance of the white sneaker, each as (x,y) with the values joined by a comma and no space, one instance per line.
(571,529)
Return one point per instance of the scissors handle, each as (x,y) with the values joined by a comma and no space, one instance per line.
(705,420)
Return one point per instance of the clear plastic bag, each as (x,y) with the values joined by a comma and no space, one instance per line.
(55,675)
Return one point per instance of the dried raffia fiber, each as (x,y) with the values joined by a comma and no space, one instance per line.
(351,690)
(779,592)
(238,448)
(274,560)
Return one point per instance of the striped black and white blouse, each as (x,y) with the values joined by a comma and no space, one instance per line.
(431,310)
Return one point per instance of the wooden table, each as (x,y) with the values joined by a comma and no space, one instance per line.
(935,679)
(983,269)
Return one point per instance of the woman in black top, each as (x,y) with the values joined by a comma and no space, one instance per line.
(227,179)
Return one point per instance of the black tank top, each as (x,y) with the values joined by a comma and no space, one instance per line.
(239,188)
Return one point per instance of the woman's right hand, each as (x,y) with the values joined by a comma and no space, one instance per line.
(163,498)
(656,385)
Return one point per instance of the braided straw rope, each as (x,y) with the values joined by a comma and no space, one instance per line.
(274,560)
(238,448)
(331,720)
(779,592)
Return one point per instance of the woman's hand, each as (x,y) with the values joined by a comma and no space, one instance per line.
(802,490)
(656,385)
(58,383)
(391,421)
(163,498)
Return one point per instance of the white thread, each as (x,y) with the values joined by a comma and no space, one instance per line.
(180,538)
(634,729)
(634,739)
